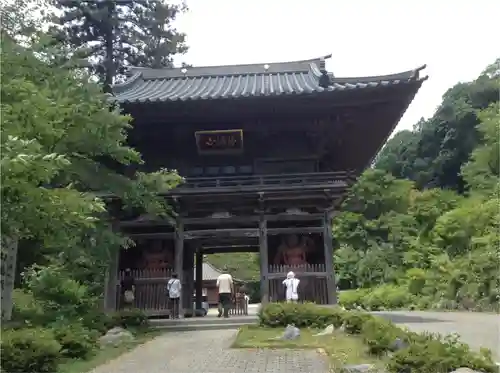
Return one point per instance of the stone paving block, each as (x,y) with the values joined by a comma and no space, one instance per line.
(209,352)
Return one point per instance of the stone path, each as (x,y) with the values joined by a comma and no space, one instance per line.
(208,352)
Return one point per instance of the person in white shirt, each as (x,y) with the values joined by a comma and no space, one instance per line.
(174,289)
(292,287)
(225,287)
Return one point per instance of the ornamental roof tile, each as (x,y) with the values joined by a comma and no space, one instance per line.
(236,81)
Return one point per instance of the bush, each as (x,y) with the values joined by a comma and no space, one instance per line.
(431,354)
(132,318)
(381,335)
(27,309)
(76,341)
(99,321)
(300,315)
(32,350)
(383,297)
(351,299)
(354,321)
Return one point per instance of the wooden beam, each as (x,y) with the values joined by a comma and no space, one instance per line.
(179,256)
(239,249)
(252,219)
(328,246)
(264,260)
(294,230)
(157,235)
(227,232)
(273,276)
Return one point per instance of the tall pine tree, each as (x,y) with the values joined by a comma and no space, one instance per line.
(141,32)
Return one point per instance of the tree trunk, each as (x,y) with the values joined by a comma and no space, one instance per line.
(9,247)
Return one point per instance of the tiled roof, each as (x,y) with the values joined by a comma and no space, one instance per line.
(210,273)
(225,82)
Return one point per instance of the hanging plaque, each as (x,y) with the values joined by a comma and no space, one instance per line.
(219,141)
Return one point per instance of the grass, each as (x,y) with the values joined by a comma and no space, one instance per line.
(341,349)
(107,353)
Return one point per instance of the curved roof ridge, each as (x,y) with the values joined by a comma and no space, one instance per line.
(305,61)
(405,75)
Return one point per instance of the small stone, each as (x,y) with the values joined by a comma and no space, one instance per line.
(116,336)
(361,368)
(328,330)
(291,333)
(465,370)
(398,344)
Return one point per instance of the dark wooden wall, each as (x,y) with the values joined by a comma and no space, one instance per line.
(263,153)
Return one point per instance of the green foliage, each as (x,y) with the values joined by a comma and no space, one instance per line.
(31,350)
(380,335)
(75,340)
(433,153)
(27,309)
(300,315)
(387,297)
(351,299)
(430,354)
(142,33)
(130,318)
(410,352)
(354,321)
(482,172)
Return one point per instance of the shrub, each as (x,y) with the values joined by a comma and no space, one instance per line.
(381,335)
(354,321)
(351,299)
(131,318)
(76,341)
(32,350)
(98,321)
(431,354)
(300,315)
(27,309)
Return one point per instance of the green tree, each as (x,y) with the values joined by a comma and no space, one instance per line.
(62,144)
(140,33)
(482,172)
(433,153)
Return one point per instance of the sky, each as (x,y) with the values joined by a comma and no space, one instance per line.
(455,39)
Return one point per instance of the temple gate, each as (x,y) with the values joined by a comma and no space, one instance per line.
(268,152)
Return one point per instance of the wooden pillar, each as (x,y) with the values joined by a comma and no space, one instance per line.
(179,258)
(328,245)
(264,260)
(111,283)
(188,277)
(199,278)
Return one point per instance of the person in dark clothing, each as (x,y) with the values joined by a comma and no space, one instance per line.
(127,289)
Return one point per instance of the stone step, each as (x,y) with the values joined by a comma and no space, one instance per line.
(207,320)
(185,327)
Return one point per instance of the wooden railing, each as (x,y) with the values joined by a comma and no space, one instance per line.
(239,307)
(311,289)
(323,179)
(140,274)
(150,290)
(305,270)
